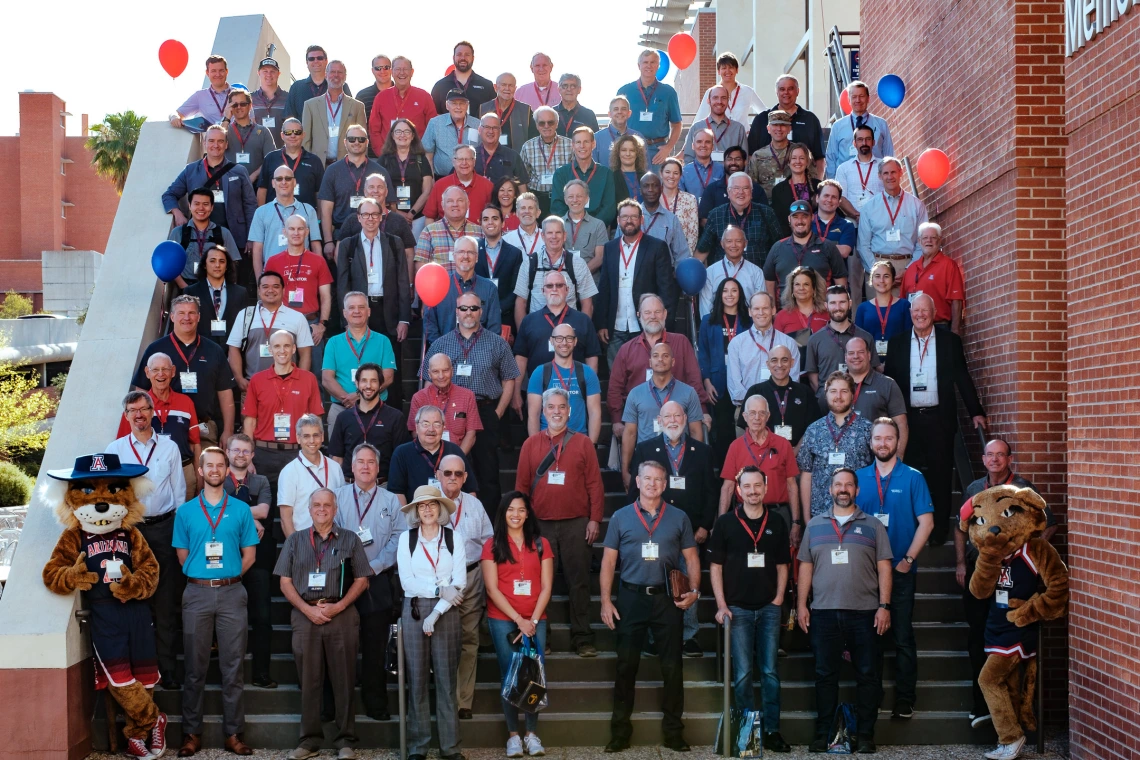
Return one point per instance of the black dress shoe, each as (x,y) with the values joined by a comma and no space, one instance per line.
(454,756)
(776,743)
(677,745)
(464,713)
(866,746)
(378,714)
(417,757)
(264,682)
(170,683)
(617,745)
(817,746)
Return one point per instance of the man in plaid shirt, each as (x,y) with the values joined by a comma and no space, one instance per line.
(437,240)
(544,154)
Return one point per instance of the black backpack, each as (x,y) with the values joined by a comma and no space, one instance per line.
(567,269)
(414,538)
(215,237)
(579,372)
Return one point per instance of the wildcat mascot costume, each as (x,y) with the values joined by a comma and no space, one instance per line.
(1029,583)
(102,553)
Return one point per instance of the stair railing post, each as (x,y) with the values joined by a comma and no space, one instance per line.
(727,675)
(400,687)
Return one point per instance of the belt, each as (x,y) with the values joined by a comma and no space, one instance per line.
(160,519)
(647,590)
(893,256)
(376,299)
(322,600)
(214,582)
(925,409)
(472,566)
(485,401)
(276,445)
(310,318)
(656,140)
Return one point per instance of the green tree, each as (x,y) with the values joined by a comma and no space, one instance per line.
(112,146)
(15,305)
(23,405)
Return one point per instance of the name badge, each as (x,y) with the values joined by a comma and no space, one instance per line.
(918,381)
(837,458)
(913,295)
(434,483)
(656,426)
(263,351)
(1001,598)
(472,135)
(546,178)
(503,139)
(189,381)
(555,478)
(297,190)
(316,581)
(282,240)
(884,518)
(242,158)
(852,151)
(373,278)
(650,551)
(334,132)
(718,156)
(881,347)
(355,201)
(114,569)
(403,191)
(646,116)
(677,482)
(281,427)
(214,550)
(550,345)
(219,197)
(352,375)
(217,327)
(765,373)
(463,369)
(756,559)
(784,431)
(522,588)
(894,235)
(842,367)
(648,375)
(297,296)
(839,556)
(204,428)
(365,536)
(269,121)
(495,282)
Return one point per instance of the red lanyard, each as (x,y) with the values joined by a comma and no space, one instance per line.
(213,525)
(458,512)
(153,446)
(278,388)
(782,402)
(550,158)
(225,98)
(577,175)
(285,160)
(201,237)
(884,315)
(730,332)
(879,483)
(356,498)
(735,96)
(438,458)
(570,120)
(459,132)
(712,129)
(488,155)
(561,318)
(660,514)
(564,382)
(838,433)
(328,101)
(470,344)
(268,330)
(352,173)
(313,543)
(161,414)
(314,477)
(533,244)
(371,423)
(403,165)
(575,229)
(898,209)
(827,229)
(557,450)
(858,390)
(771,341)
(438,550)
(627,260)
(676,199)
(181,355)
(538,93)
(358,354)
(708,175)
(863,181)
(680,457)
(646,95)
(238,134)
(724,266)
(924,345)
(504,115)
(754,536)
(838,534)
(371,245)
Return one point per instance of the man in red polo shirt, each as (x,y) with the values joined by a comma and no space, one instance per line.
(937,276)
(759,447)
(460,411)
(308,282)
(400,102)
(275,400)
(477,187)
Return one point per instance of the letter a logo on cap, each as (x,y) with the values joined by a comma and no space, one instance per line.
(97,464)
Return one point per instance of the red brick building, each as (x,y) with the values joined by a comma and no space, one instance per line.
(62,204)
(1043,154)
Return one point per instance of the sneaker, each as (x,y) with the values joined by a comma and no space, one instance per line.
(978,720)
(137,748)
(587,650)
(903,710)
(818,746)
(534,746)
(650,649)
(303,753)
(158,736)
(514,746)
(692,649)
(1007,751)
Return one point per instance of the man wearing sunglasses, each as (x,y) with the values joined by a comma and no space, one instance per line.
(308,169)
(382,73)
(342,189)
(312,86)
(328,117)
(441,318)
(267,233)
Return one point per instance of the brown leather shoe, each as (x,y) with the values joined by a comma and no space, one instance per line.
(237,746)
(190,745)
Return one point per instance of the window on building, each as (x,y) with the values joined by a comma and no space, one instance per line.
(63,168)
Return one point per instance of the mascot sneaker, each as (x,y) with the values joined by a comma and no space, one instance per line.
(1007,751)
(137,748)
(158,736)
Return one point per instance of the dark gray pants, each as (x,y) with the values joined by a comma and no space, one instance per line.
(167,597)
(317,650)
(205,611)
(440,652)
(568,542)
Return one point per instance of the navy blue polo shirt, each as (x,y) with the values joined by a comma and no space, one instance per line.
(841,231)
(905,496)
(533,340)
(412,466)
(206,358)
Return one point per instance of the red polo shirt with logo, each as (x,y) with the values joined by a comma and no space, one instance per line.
(941,279)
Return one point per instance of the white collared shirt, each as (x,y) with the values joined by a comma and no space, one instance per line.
(418,577)
(929,365)
(373,263)
(296,484)
(164,470)
(848,175)
(473,524)
(747,364)
(626,308)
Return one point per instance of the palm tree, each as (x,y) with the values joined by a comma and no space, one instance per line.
(112,146)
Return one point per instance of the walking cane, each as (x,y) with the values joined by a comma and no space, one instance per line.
(727,720)
(400,688)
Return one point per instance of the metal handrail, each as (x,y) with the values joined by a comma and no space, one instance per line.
(400,687)
(726,721)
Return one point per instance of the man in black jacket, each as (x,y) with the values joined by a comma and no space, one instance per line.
(928,363)
(372,263)
(221,301)
(499,262)
(632,264)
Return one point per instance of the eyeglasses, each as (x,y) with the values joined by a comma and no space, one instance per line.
(563,339)
(284,179)
(316,58)
(755,413)
(356,139)
(240,104)
(369,214)
(452,473)
(554,286)
(401,132)
(468,308)
(292,132)
(140,409)
(381,68)
(547,123)
(491,128)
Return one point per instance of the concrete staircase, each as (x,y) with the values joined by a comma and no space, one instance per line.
(581,689)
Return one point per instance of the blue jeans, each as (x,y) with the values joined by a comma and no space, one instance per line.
(832,632)
(504,649)
(755,642)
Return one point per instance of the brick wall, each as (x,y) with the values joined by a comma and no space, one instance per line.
(986,84)
(704,32)
(88,223)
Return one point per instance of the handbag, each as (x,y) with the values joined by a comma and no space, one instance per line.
(746,731)
(844,730)
(525,684)
(391,651)
(678,584)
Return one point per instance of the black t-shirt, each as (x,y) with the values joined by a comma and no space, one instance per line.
(386,432)
(533,340)
(805,129)
(208,359)
(800,406)
(749,587)
(309,171)
(413,175)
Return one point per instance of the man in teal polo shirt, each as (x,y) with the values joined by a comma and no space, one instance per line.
(656,110)
(599,179)
(216,542)
(345,353)
(897,495)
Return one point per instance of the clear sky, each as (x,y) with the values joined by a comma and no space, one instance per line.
(103,58)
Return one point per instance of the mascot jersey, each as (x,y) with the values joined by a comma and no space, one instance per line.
(121,633)
(1017,580)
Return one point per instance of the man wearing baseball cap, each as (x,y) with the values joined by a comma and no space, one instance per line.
(803,249)
(452,128)
(269,99)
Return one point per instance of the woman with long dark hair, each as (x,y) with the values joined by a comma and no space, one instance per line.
(505,194)
(723,323)
(518,572)
(402,154)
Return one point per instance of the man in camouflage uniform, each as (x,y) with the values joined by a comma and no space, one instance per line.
(769,164)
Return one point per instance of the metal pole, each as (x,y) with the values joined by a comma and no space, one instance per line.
(400,688)
(1040,690)
(910,174)
(727,720)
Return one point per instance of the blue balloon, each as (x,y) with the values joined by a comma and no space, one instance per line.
(891,90)
(691,276)
(663,66)
(168,260)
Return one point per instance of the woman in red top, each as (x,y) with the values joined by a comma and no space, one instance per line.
(804,305)
(506,192)
(518,572)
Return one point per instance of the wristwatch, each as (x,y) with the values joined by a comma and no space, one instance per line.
(884,606)
(909,559)
(798,522)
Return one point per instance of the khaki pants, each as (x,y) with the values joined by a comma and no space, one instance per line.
(190,472)
(471,614)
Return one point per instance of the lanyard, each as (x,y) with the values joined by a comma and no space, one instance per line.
(754,536)
(201,237)
(181,355)
(371,423)
(575,228)
(438,458)
(799,251)
(459,284)
(504,115)
(550,158)
(352,173)
(470,344)
(488,155)
(924,346)
(314,477)
(225,97)
(884,315)
(742,219)
(564,382)
(660,513)
(735,97)
(561,318)
(668,392)
(858,390)
(837,336)
(647,95)
(652,222)
(882,493)
(364,345)
(838,534)
(680,457)
(438,551)
(577,175)
(213,525)
(356,498)
(676,199)
(161,415)
(313,543)
(898,209)
(780,166)
(458,512)
(716,137)
(211,177)
(730,332)
(268,330)
(838,433)
(570,120)
(153,446)
(494,262)
(870,168)
(278,388)
(708,175)
(538,93)
(633,188)
(771,341)
(533,242)
(333,115)
(240,137)
(748,447)
(782,402)
(826,230)
(557,450)
(285,160)
(452,234)
(459,131)
(403,165)
(626,261)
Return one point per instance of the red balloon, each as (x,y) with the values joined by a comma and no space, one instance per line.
(933,168)
(431,284)
(682,50)
(173,56)
(845,102)
(450,69)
